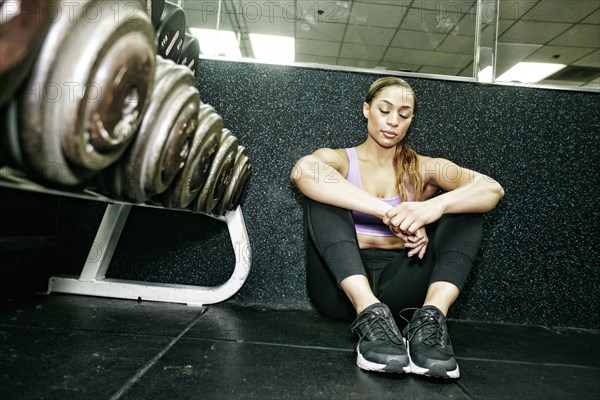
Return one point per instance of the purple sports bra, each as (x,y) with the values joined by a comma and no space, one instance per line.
(366,224)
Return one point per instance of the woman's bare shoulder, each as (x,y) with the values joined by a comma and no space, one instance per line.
(337,158)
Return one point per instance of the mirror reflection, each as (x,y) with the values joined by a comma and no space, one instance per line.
(560,37)
(536,42)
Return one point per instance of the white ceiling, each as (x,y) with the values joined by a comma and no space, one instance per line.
(424,36)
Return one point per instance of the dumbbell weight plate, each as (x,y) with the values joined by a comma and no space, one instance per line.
(241,187)
(166,150)
(23,26)
(170,32)
(118,87)
(225,180)
(124,179)
(163,139)
(212,125)
(190,181)
(113,179)
(218,177)
(53,89)
(41,150)
(225,134)
(240,167)
(178,144)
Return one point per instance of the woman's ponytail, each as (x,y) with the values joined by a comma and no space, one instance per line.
(410,185)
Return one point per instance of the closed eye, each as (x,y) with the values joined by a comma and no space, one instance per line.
(385,112)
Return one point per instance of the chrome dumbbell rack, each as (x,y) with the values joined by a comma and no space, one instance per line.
(93,282)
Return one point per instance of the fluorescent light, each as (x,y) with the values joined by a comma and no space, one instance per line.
(217,43)
(528,72)
(273,48)
(485,75)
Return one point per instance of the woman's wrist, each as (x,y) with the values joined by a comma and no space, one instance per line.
(441,202)
(382,209)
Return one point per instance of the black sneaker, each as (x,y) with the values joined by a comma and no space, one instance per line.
(429,346)
(380,346)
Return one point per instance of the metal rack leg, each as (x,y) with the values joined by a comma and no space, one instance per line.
(92,281)
(105,242)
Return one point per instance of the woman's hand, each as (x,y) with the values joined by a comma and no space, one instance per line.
(408,220)
(417,242)
(410,216)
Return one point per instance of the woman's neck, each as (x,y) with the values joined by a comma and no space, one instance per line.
(375,153)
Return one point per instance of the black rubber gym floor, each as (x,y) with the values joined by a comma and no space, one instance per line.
(76,347)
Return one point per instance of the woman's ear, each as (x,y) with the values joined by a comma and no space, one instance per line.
(366,108)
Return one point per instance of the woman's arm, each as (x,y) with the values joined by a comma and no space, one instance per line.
(319,177)
(466,191)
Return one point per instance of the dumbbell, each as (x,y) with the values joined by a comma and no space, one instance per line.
(162,145)
(241,188)
(218,176)
(192,177)
(88,90)
(155,9)
(170,32)
(23,27)
(233,195)
(112,181)
(190,54)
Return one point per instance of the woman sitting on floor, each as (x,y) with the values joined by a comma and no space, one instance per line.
(379,241)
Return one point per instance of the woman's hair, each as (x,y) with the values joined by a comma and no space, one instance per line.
(405,159)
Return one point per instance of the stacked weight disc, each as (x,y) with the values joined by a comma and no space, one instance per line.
(204,183)
(106,106)
(89,88)
(163,142)
(195,172)
(215,176)
(227,180)
(196,163)
(234,186)
(182,156)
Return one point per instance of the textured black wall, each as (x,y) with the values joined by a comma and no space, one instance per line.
(539,261)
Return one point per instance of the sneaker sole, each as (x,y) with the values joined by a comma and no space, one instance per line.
(435,372)
(393,367)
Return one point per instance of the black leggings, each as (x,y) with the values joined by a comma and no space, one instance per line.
(397,280)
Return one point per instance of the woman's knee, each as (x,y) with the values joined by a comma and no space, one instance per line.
(459,233)
(328,225)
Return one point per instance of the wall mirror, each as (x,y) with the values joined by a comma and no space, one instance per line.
(540,43)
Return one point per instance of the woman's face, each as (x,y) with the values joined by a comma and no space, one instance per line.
(389,115)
